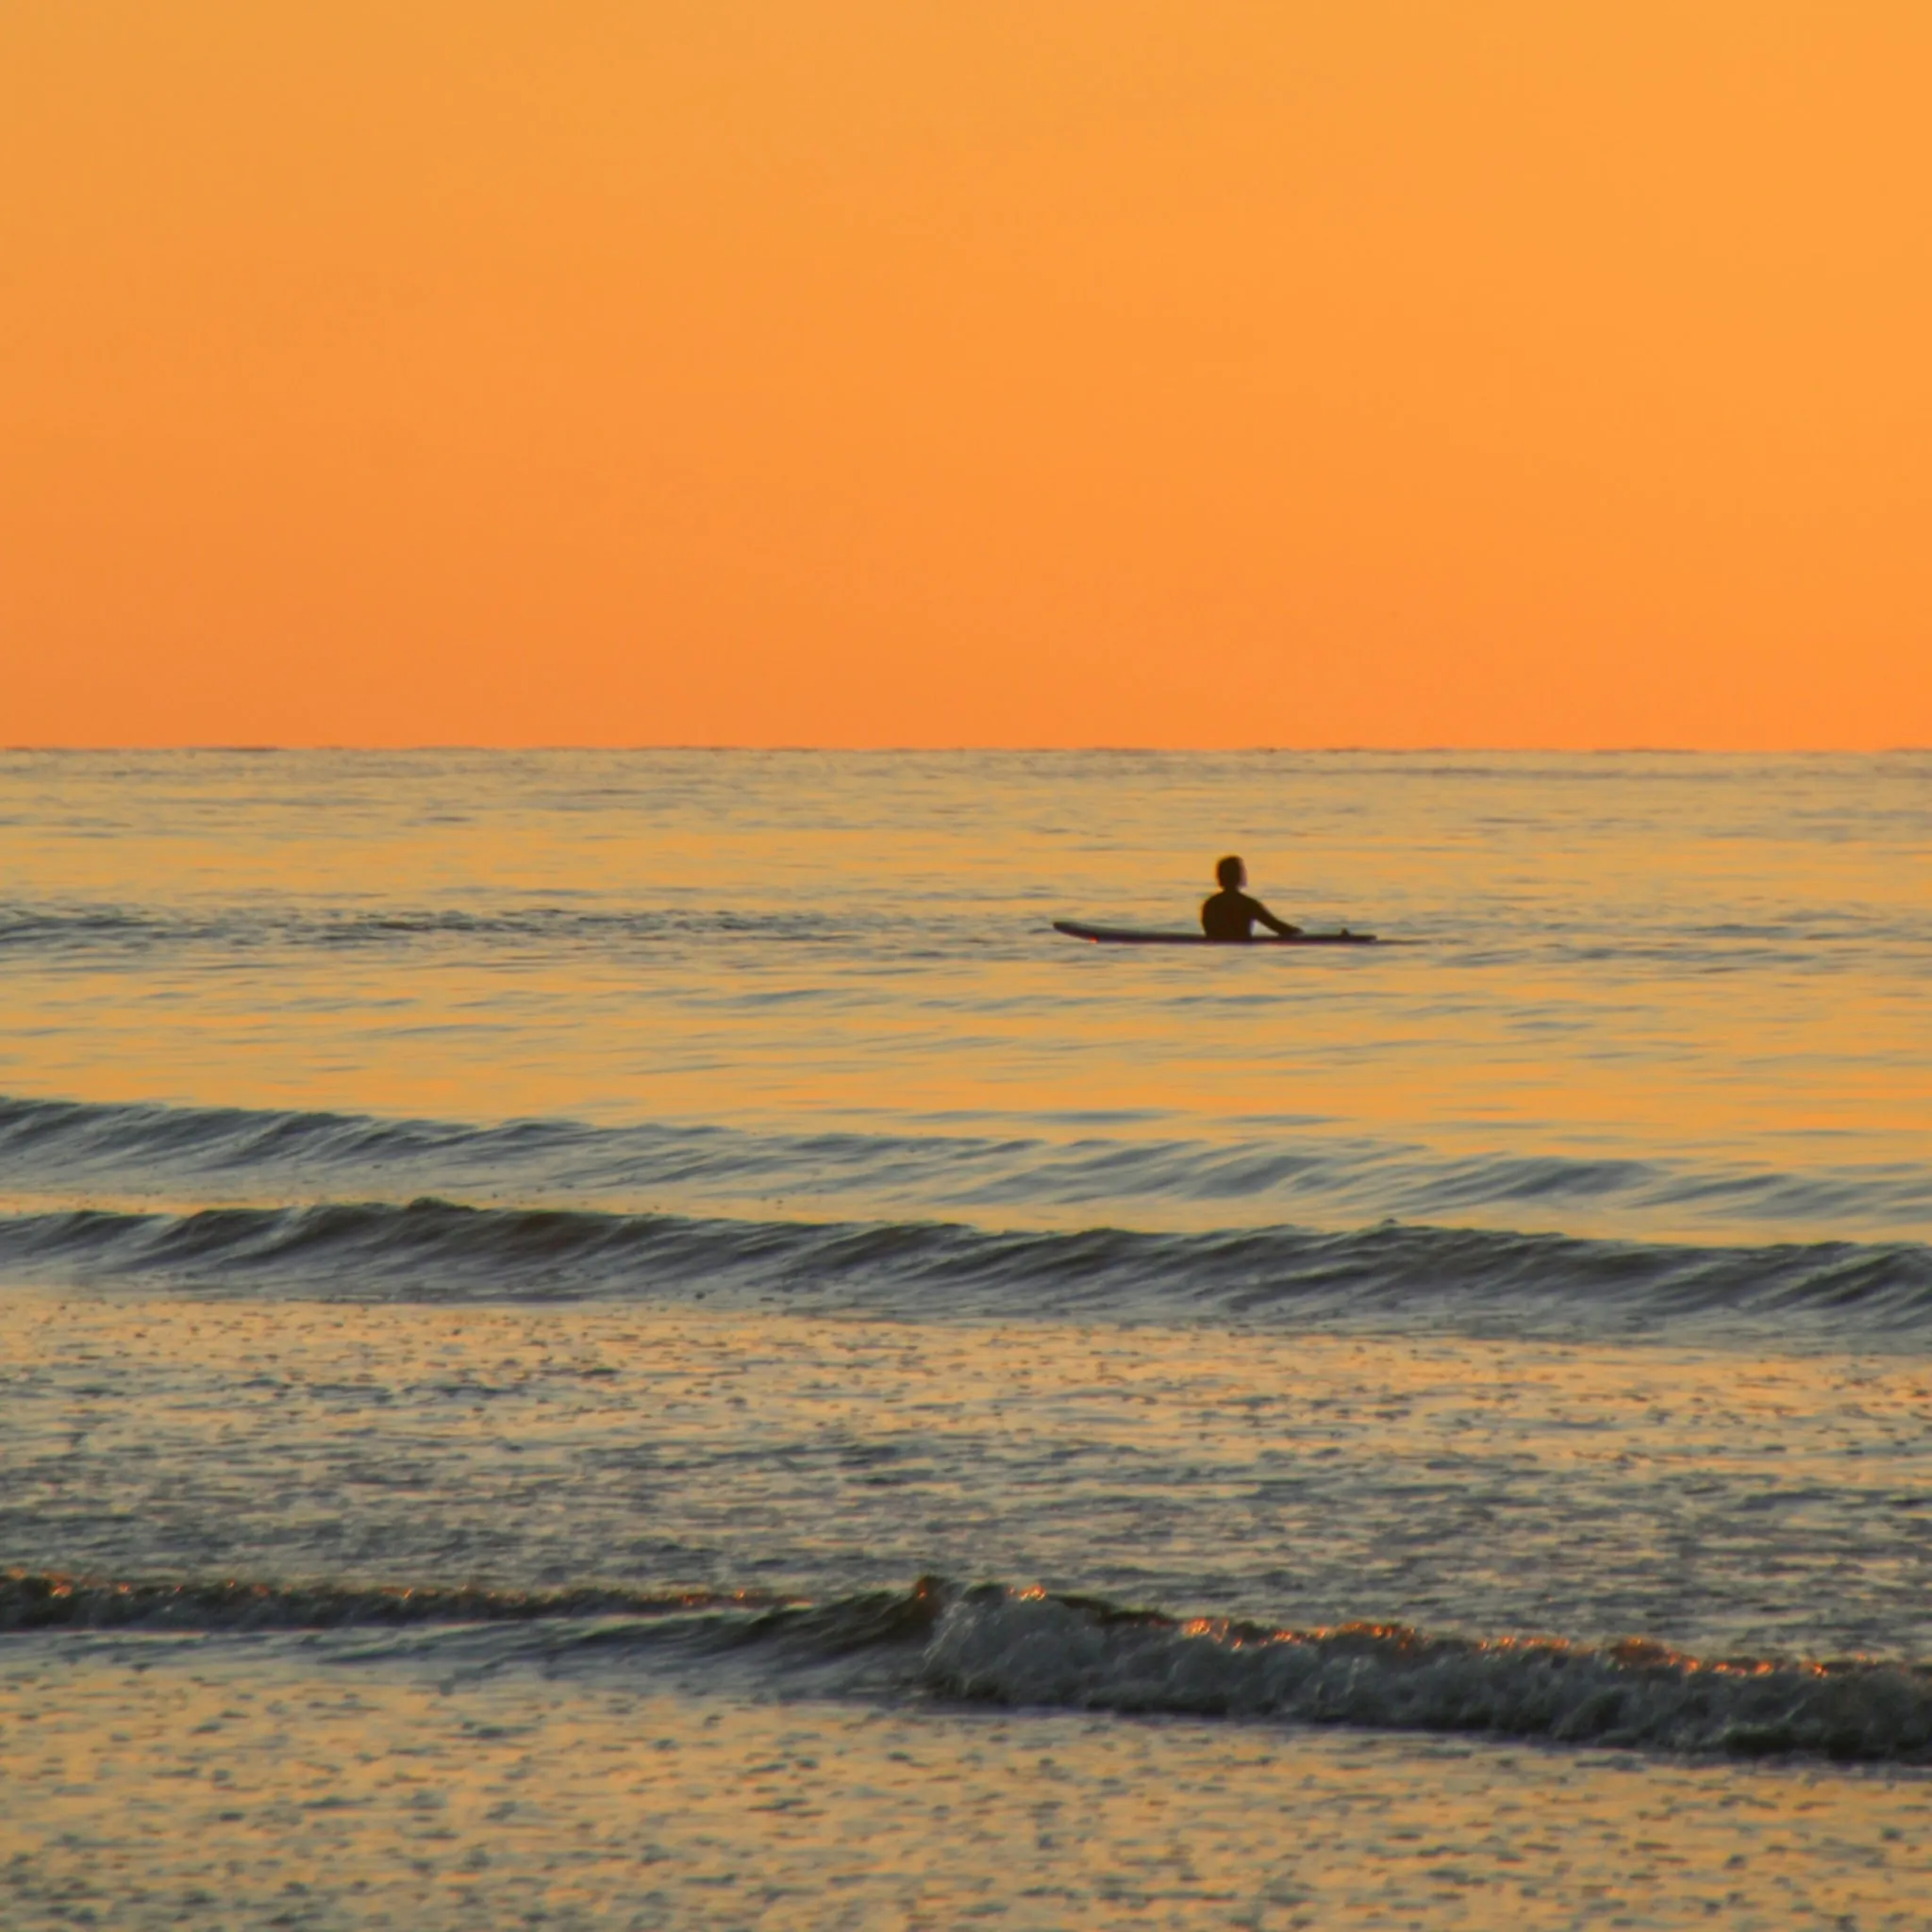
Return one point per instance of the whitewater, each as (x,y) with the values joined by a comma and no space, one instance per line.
(633,1339)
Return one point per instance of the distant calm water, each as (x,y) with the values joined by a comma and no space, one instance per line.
(618,1336)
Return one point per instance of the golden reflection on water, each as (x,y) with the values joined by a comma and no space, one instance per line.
(1379,1046)
(1590,1492)
(1714,962)
(1720,959)
(152,1781)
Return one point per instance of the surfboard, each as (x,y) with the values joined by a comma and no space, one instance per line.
(1130,936)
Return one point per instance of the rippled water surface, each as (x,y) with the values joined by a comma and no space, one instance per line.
(517,1273)
(1652,995)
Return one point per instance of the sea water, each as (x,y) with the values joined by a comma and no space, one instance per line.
(632,1338)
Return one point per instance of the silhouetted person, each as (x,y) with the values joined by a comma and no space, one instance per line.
(1229,916)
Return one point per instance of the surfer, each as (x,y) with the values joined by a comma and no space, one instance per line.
(1229,916)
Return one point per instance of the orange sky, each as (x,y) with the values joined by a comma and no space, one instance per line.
(1190,372)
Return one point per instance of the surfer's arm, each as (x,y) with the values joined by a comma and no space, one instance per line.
(1269,919)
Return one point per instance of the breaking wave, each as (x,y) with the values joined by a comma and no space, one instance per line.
(1029,1649)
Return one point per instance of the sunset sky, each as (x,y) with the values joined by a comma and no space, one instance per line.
(1074,371)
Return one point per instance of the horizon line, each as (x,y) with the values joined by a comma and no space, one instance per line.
(263,749)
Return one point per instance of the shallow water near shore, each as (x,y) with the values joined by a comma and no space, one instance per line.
(260,1786)
(631,1339)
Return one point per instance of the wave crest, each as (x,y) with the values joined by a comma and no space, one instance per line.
(1025,1648)
(432,1249)
(49,1600)
(1056,1169)
(1001,1647)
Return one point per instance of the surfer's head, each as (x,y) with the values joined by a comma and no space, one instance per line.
(1232,873)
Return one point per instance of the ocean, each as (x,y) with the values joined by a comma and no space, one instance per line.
(632,1338)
